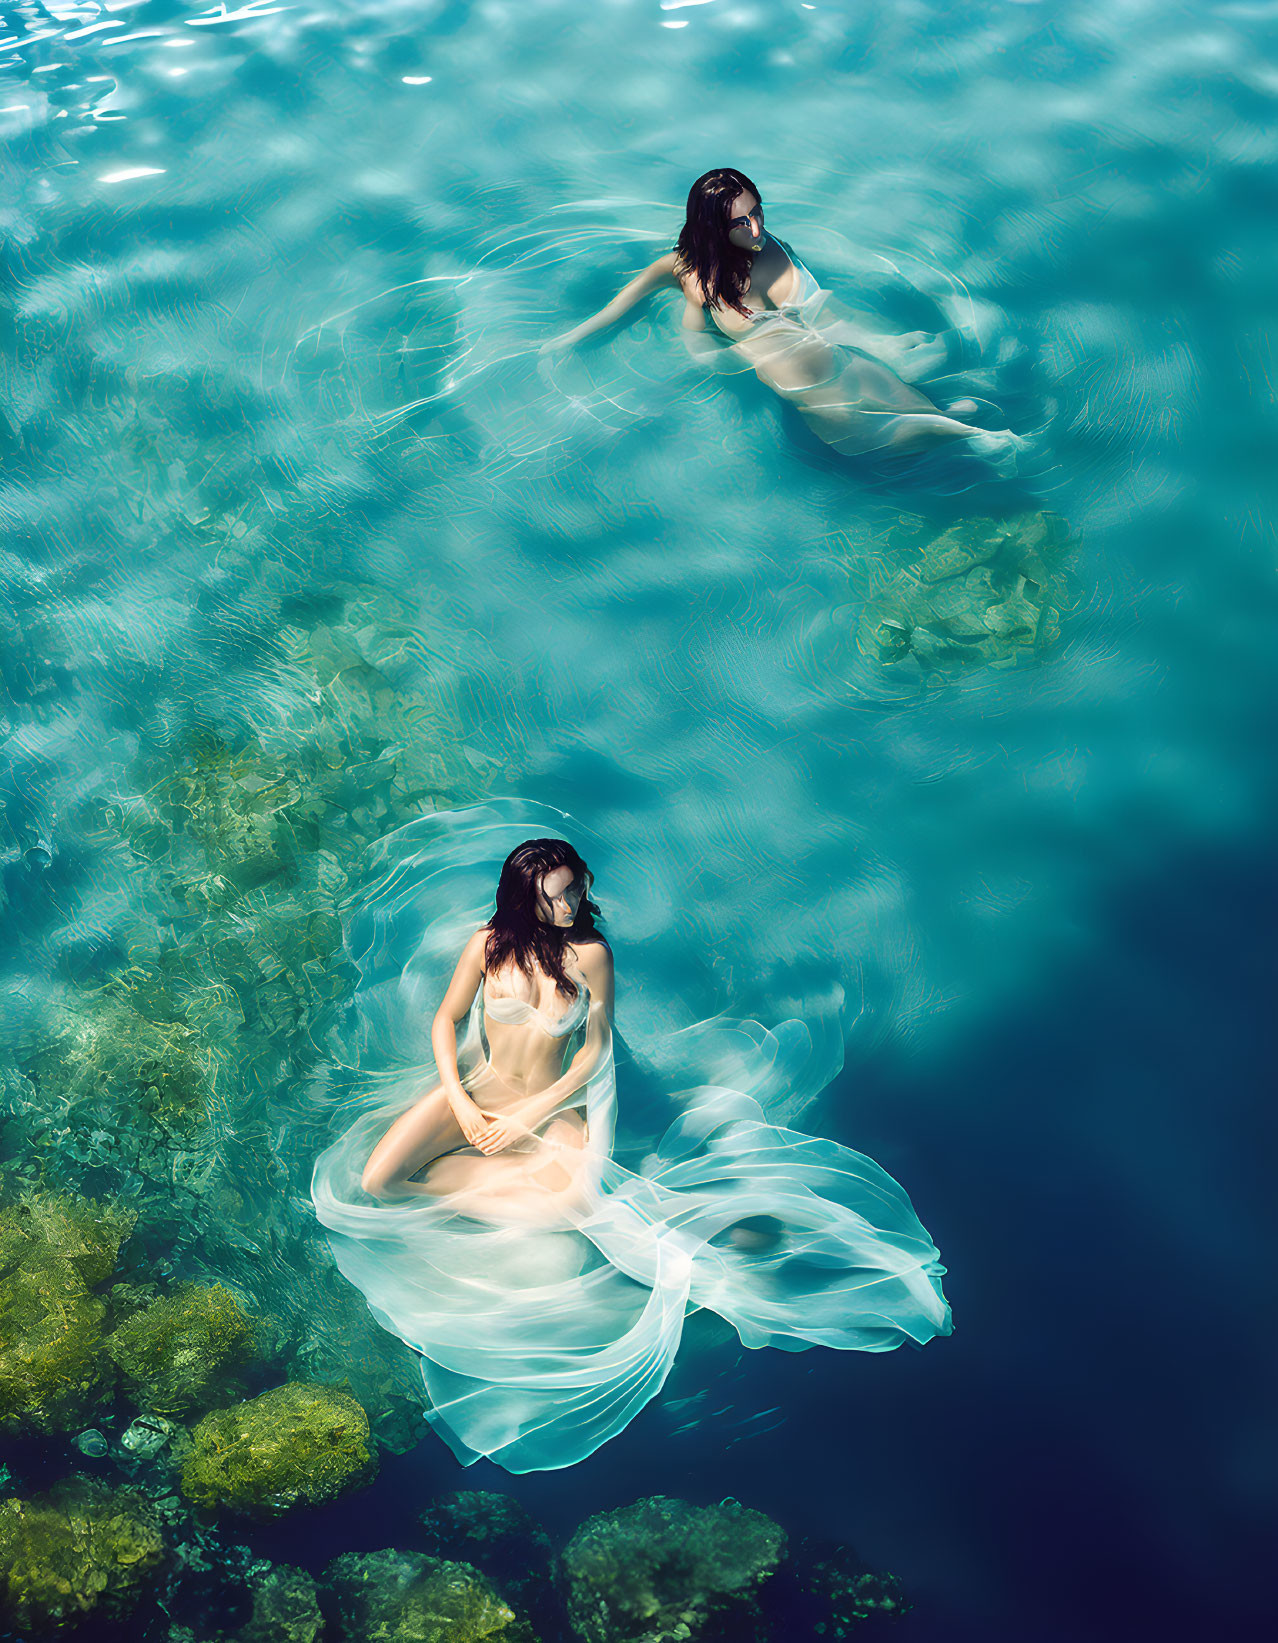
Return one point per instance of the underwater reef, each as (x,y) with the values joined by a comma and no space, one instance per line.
(981,593)
(185,1351)
(285,1609)
(56,1253)
(238,736)
(662,1570)
(504,1542)
(81,1549)
(408,1597)
(840,1596)
(82,1558)
(294,1445)
(74,1346)
(158,1067)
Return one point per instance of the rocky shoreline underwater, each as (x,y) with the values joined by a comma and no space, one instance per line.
(150,1537)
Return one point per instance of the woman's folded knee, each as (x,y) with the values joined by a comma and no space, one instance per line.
(376,1180)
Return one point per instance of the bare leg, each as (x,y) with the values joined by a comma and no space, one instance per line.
(533,1185)
(425,1132)
(536,1182)
(855,431)
(857,404)
(862,407)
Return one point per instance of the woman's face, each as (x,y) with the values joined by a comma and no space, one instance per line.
(559,897)
(745,222)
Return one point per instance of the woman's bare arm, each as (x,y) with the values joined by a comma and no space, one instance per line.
(655,275)
(443,1032)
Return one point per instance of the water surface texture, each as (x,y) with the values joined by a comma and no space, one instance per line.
(301,537)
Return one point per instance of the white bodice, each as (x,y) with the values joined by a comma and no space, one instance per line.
(516,1011)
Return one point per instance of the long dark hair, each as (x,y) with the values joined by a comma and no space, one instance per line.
(516,933)
(703,244)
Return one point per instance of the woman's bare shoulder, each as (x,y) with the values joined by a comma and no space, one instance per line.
(779,275)
(594,958)
(686,278)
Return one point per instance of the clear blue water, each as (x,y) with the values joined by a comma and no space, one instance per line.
(273,289)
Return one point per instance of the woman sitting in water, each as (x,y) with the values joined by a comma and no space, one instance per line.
(544,1284)
(849,381)
(508,1137)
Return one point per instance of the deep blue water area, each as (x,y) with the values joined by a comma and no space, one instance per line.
(303,537)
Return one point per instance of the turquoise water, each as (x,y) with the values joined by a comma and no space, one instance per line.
(286,482)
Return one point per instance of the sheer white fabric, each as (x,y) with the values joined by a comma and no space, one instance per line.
(546,1322)
(845,373)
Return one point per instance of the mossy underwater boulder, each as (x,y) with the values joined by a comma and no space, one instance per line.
(106,1059)
(504,1542)
(78,1550)
(184,1352)
(296,1445)
(285,1609)
(662,1570)
(408,1597)
(55,1250)
(984,593)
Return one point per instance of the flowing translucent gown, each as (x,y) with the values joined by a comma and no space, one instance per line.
(545,1325)
(843,374)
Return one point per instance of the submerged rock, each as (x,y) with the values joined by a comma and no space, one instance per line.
(407,1597)
(80,1549)
(285,1609)
(55,1249)
(227,801)
(296,1445)
(504,1542)
(106,1059)
(184,1352)
(662,1570)
(984,593)
(147,1435)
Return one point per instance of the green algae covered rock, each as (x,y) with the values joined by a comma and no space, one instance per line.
(285,1609)
(407,1597)
(475,1521)
(984,593)
(662,1570)
(184,1352)
(80,1234)
(296,1445)
(505,1543)
(106,1059)
(227,801)
(54,1366)
(80,1549)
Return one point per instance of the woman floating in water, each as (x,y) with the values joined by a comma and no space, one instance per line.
(544,1284)
(848,380)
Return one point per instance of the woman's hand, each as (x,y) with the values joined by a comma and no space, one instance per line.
(558,345)
(473,1124)
(502,1132)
